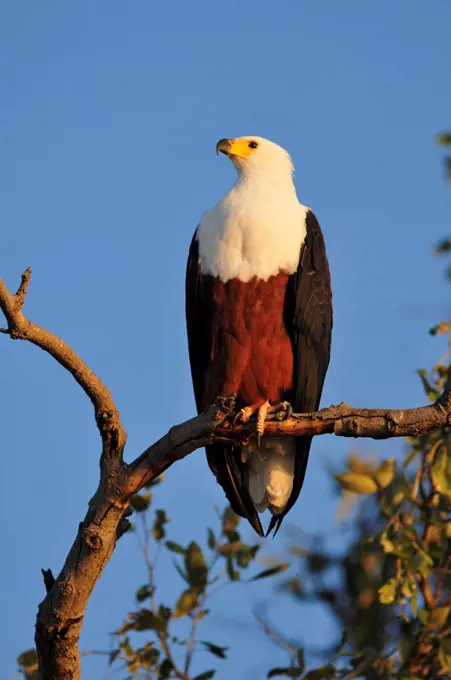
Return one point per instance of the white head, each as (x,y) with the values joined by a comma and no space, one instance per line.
(256,154)
(258,227)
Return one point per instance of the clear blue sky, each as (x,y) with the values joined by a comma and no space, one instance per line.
(109,116)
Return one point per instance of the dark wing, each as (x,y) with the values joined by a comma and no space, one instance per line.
(197,309)
(308,317)
(224,460)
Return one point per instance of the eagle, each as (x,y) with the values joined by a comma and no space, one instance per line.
(259,324)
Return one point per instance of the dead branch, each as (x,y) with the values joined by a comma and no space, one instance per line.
(60,614)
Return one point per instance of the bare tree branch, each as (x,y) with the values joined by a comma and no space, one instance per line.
(60,614)
(20,328)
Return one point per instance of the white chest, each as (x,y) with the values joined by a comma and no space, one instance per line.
(252,234)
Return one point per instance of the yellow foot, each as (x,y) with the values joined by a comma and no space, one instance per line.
(244,415)
(261,417)
(282,411)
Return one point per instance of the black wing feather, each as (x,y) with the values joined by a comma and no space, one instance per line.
(224,460)
(309,320)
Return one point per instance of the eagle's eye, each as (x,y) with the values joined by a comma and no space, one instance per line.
(252,145)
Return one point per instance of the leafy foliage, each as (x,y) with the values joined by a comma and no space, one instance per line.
(444,139)
(223,560)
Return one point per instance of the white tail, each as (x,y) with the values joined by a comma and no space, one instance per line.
(270,472)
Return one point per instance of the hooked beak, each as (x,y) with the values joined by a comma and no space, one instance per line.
(224,146)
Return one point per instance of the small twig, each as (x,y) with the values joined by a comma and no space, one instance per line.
(49,579)
(196,619)
(161,634)
(278,639)
(23,288)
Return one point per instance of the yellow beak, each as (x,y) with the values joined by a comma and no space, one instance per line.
(234,147)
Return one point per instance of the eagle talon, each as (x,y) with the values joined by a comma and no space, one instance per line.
(284,412)
(261,416)
(243,416)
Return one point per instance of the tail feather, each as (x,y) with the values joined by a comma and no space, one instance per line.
(232,473)
(301,459)
(270,469)
(229,470)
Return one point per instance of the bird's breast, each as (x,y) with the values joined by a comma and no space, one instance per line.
(245,239)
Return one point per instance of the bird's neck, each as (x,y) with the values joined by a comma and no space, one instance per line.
(266,184)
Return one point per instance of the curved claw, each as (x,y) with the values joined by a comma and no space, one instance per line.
(288,411)
(242,416)
(283,410)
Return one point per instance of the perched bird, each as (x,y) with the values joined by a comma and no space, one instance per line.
(259,322)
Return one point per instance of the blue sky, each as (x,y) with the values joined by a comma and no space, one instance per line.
(109,116)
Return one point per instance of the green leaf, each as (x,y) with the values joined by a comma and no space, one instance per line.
(424,616)
(387,592)
(205,676)
(270,572)
(385,474)
(439,616)
(387,545)
(440,328)
(231,548)
(230,521)
(140,502)
(143,593)
(287,672)
(28,658)
(113,656)
(444,654)
(444,139)
(175,547)
(321,673)
(220,652)
(165,670)
(144,620)
(441,472)
(148,656)
(408,588)
(243,558)
(28,662)
(196,566)
(357,482)
(398,497)
(180,571)
(423,562)
(186,603)
(126,647)
(211,540)
(430,391)
(158,530)
(443,246)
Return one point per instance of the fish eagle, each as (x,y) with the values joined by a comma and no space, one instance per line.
(259,322)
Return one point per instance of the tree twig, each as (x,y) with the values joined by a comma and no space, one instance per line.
(60,614)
